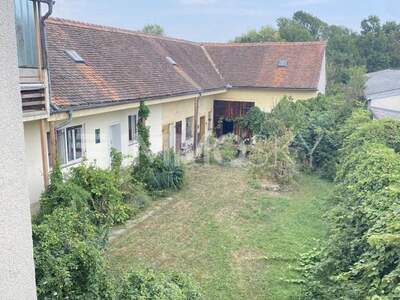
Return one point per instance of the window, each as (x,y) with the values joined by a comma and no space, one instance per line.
(189,128)
(69,144)
(132,128)
(75,56)
(210,120)
(26,34)
(97,135)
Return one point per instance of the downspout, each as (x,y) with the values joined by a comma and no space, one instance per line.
(41,43)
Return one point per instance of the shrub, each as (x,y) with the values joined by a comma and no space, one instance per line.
(361,258)
(106,198)
(69,257)
(155,285)
(164,173)
(62,194)
(223,150)
(272,158)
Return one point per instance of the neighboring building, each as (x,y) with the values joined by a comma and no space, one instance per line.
(19,47)
(383,93)
(98,76)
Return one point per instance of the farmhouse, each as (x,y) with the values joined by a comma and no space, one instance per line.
(99,75)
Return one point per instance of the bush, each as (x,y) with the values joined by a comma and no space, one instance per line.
(165,172)
(361,258)
(155,285)
(106,198)
(68,252)
(222,150)
(272,158)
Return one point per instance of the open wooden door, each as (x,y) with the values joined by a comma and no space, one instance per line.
(178,136)
(202,129)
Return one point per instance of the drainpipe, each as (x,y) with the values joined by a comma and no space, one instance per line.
(196,122)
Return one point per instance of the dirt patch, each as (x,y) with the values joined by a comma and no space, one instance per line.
(244,256)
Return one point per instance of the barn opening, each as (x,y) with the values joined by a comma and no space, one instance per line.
(227,115)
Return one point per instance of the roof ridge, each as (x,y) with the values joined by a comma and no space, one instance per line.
(262,43)
(87,25)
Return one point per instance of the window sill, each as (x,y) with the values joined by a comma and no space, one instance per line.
(132,143)
(71,163)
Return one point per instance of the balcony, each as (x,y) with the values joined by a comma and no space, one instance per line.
(32,75)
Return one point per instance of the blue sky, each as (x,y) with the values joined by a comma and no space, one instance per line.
(219,20)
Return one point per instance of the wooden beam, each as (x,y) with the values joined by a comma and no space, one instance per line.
(53,145)
(43,148)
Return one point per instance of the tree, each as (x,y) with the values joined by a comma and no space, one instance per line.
(265,34)
(153,29)
(292,31)
(314,25)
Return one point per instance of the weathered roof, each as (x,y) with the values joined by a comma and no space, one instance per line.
(123,65)
(382,84)
(256,65)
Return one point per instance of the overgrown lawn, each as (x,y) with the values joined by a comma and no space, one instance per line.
(237,239)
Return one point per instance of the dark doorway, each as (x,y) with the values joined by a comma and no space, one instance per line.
(178,136)
(227,127)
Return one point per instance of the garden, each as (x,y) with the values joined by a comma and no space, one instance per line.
(308,208)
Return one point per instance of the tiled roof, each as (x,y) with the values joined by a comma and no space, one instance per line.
(122,65)
(256,65)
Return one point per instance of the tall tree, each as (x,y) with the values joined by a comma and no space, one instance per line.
(265,34)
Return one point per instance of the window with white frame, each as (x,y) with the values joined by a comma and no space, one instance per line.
(189,128)
(132,128)
(69,144)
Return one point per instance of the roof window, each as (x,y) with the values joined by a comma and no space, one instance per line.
(171,61)
(75,56)
(282,63)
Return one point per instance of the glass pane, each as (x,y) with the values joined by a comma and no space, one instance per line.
(70,144)
(78,142)
(134,130)
(61,147)
(26,33)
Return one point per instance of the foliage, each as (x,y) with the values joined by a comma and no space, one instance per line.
(222,150)
(150,284)
(375,47)
(165,172)
(106,198)
(153,29)
(265,34)
(361,258)
(314,124)
(272,158)
(69,260)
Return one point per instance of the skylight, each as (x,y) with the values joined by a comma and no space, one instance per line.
(171,61)
(75,56)
(283,63)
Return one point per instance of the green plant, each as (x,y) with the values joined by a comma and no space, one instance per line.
(106,198)
(165,173)
(271,158)
(150,284)
(68,252)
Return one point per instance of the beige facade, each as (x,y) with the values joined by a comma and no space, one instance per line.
(265,99)
(166,117)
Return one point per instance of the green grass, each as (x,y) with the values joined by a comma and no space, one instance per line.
(236,239)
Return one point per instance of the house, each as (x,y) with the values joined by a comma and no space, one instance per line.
(99,75)
(382,90)
(23,88)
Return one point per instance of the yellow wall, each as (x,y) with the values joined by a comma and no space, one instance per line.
(265,99)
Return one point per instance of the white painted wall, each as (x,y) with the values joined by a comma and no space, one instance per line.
(99,153)
(33,161)
(17,273)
